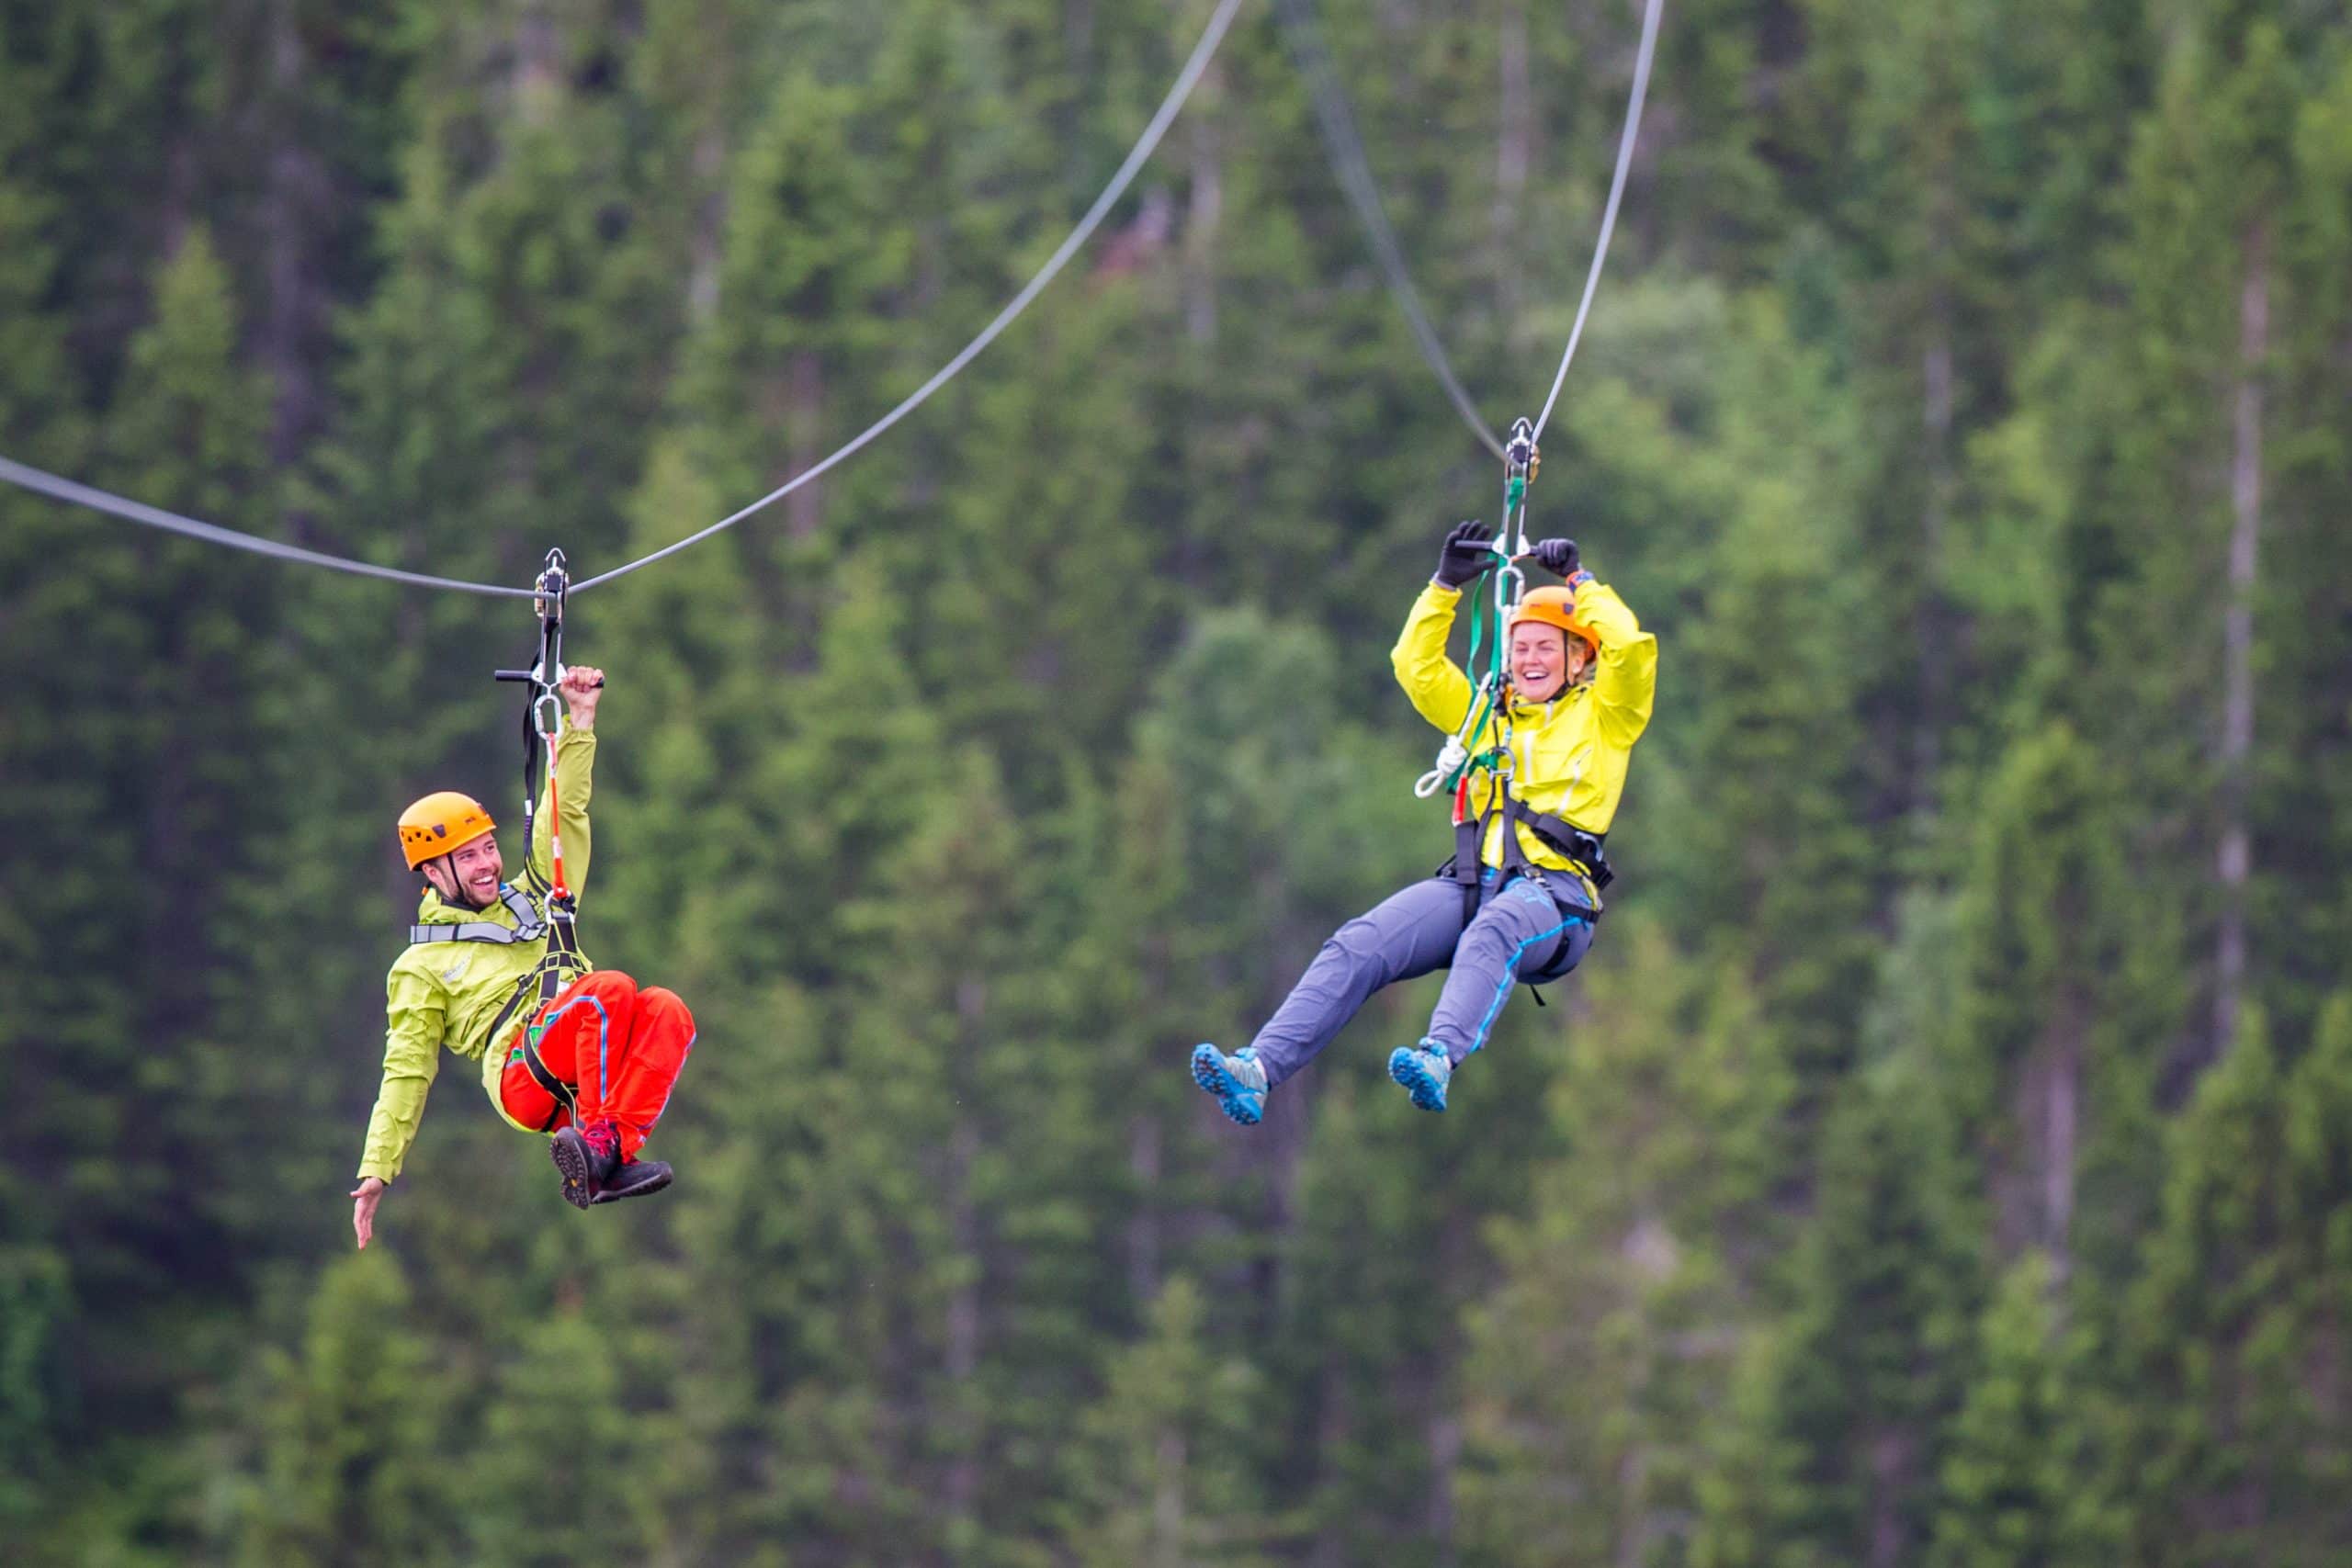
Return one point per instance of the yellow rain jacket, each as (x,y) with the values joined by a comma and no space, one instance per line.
(1568,755)
(450,993)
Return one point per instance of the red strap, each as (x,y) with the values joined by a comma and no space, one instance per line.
(555,829)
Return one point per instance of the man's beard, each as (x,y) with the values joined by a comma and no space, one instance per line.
(462,898)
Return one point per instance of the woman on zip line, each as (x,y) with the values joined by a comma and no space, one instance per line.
(1540,777)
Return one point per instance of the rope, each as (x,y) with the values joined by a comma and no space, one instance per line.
(1333,118)
(1616,195)
(1137,157)
(1345,149)
(66,490)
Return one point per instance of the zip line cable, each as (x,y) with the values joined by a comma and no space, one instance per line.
(1354,168)
(1350,163)
(52,485)
(1142,151)
(1616,195)
(1337,123)
(66,490)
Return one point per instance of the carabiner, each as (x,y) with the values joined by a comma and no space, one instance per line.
(1520,453)
(554,582)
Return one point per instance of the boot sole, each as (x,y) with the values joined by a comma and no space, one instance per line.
(654,1183)
(1406,1067)
(1222,1084)
(570,1152)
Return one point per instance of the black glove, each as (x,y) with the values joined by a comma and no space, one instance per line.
(1465,554)
(1557,556)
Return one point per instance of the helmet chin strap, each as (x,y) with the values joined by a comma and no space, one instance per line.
(448,863)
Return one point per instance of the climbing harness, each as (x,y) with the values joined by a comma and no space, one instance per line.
(1490,714)
(557,925)
(527,925)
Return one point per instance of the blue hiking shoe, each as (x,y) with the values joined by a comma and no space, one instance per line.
(1424,1070)
(1238,1081)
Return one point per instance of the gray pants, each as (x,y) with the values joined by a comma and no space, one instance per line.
(1522,933)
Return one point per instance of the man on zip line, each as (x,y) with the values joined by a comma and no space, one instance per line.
(491,973)
(1521,898)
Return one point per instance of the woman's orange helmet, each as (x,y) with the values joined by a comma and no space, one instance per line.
(1553,607)
(439,823)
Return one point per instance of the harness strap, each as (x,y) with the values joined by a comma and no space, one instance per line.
(1467,869)
(527,926)
(565,1097)
(473,930)
(1584,847)
(542,981)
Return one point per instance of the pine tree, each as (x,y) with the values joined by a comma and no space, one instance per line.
(2019,1490)
(33,1387)
(2230,1437)
(1836,1455)
(356,1470)
(2054,986)
(555,1440)
(1160,1483)
(1628,1288)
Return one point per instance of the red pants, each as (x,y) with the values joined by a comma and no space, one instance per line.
(617,1047)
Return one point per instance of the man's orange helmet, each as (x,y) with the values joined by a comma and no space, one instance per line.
(1553,607)
(439,823)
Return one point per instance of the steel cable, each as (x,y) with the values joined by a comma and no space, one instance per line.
(1345,149)
(1137,157)
(1616,195)
(49,484)
(57,488)
(1349,162)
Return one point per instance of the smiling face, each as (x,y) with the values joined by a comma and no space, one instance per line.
(1544,661)
(469,874)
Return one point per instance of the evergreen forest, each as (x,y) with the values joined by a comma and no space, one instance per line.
(1943,1160)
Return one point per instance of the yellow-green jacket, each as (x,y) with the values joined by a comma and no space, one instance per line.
(450,993)
(1568,755)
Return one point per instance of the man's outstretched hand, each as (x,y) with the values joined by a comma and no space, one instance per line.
(581,685)
(364,1197)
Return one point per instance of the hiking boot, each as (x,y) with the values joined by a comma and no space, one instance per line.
(633,1179)
(585,1157)
(1238,1081)
(1424,1070)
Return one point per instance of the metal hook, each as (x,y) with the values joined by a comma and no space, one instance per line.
(1508,597)
(1520,454)
(554,583)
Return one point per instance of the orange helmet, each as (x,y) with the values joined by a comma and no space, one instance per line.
(439,823)
(1553,607)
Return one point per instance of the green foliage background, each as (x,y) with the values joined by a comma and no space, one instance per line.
(1945,1157)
